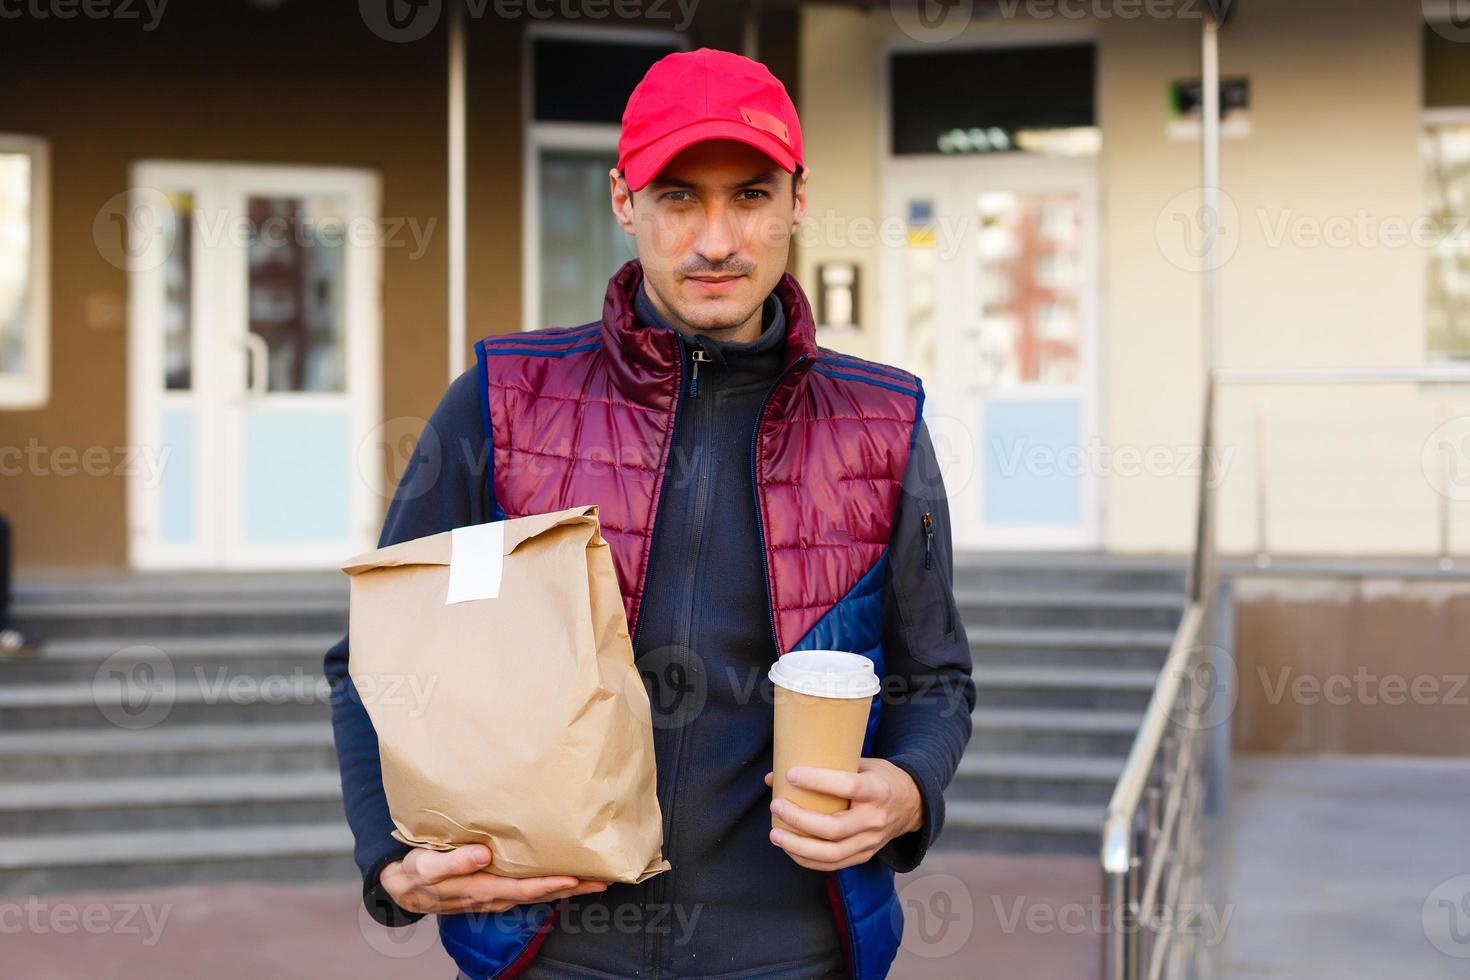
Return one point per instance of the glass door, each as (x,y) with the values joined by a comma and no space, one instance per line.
(255,364)
(993,301)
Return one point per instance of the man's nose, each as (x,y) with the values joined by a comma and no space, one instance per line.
(720,237)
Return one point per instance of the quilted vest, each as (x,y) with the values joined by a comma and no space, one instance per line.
(586,415)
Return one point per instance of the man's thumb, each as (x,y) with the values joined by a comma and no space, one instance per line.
(437,865)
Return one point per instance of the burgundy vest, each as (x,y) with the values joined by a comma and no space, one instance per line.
(585,415)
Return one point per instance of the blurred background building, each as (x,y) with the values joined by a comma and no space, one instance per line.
(224,248)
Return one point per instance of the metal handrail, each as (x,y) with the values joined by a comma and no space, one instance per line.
(1150,845)
(1152,818)
(1422,374)
(1150,852)
(1425,374)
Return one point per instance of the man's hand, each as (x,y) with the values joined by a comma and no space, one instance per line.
(885,804)
(446,882)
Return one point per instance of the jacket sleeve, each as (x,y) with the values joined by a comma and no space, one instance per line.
(442,487)
(926,718)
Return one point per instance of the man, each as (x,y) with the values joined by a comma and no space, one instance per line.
(760,494)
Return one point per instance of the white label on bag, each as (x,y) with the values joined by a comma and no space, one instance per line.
(476,556)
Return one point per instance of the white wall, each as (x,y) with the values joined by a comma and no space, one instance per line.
(1333,147)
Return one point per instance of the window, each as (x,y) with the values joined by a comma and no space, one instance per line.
(573,243)
(24,283)
(994,100)
(1445,156)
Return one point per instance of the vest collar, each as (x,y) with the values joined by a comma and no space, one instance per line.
(644,361)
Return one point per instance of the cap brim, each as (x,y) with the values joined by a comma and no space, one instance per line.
(643,164)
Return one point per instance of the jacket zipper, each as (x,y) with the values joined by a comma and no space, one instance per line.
(652,550)
(697,356)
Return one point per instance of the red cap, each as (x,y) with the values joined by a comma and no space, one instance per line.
(704,95)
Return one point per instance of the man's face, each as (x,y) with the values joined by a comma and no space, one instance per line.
(714,231)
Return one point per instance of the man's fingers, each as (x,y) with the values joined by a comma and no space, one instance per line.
(817,851)
(586,888)
(835,782)
(770,779)
(438,866)
(828,826)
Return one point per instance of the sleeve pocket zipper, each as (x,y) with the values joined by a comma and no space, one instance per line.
(947,594)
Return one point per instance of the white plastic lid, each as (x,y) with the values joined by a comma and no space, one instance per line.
(826,674)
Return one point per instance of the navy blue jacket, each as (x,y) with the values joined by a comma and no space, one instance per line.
(702,642)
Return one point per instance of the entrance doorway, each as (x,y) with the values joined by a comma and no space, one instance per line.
(254,364)
(993,300)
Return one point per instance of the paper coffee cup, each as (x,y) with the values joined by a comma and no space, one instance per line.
(822,702)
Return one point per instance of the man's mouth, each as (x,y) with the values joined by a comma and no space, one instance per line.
(715,283)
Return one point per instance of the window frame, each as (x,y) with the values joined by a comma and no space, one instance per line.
(1436,116)
(538,136)
(30,388)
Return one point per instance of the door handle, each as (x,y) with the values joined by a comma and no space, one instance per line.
(257,361)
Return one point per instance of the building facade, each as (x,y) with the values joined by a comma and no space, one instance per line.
(223,257)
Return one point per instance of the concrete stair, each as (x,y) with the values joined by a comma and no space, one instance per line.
(1067,648)
(175,730)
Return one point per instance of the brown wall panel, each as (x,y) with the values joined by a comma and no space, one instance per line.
(1353,666)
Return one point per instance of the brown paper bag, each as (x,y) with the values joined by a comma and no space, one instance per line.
(516,720)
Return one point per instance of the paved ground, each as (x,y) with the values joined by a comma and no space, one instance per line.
(1339,869)
(968,916)
(1349,869)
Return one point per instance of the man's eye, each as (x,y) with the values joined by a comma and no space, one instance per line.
(757,194)
(676,195)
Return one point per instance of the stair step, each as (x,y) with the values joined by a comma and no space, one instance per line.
(181,585)
(1031,777)
(119,617)
(1022,827)
(1015,570)
(1064,687)
(1045,720)
(77,658)
(1054,731)
(151,701)
(91,806)
(1066,647)
(40,864)
(1059,637)
(1107,678)
(224,788)
(1055,607)
(104,751)
(1046,598)
(1013,765)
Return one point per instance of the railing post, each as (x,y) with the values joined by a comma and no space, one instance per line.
(1442,490)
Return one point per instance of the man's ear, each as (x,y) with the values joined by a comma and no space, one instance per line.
(799,192)
(622,200)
